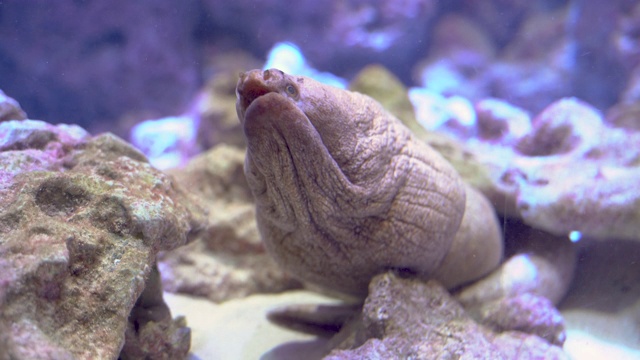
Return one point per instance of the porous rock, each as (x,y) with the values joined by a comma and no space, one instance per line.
(407,318)
(82,219)
(228,260)
(569,172)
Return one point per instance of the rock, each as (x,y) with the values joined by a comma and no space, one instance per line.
(383,86)
(82,219)
(525,63)
(10,109)
(571,172)
(405,318)
(217,111)
(520,295)
(594,27)
(511,14)
(151,333)
(228,260)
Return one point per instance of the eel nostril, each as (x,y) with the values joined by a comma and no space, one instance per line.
(266,74)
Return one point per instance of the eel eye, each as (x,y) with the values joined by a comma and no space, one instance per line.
(291,90)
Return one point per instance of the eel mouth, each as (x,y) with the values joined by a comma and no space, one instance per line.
(252,85)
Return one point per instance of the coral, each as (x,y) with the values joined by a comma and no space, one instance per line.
(82,219)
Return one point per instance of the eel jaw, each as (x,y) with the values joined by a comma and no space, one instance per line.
(251,85)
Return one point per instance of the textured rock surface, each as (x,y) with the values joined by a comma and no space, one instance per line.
(410,319)
(569,172)
(82,219)
(344,191)
(228,260)
(531,70)
(151,334)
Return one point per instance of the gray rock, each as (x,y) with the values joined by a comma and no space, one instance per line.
(82,219)
(228,259)
(407,318)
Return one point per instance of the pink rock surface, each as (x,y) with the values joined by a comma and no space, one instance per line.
(406,318)
(569,172)
(82,219)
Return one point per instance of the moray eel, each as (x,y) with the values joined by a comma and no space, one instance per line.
(344,191)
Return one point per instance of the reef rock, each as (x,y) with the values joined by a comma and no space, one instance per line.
(527,65)
(10,109)
(228,260)
(82,219)
(563,171)
(408,318)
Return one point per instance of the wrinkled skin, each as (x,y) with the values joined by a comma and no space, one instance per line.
(343,190)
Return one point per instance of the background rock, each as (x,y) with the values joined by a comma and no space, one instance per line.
(10,109)
(228,260)
(82,219)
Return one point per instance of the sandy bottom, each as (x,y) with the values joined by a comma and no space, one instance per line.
(238,329)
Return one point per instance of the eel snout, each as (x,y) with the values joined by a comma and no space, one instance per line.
(253,84)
